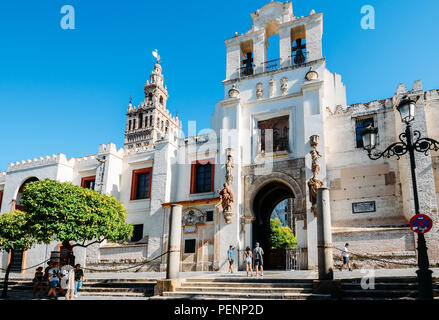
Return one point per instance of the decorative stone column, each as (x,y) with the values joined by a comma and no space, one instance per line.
(173,267)
(324,236)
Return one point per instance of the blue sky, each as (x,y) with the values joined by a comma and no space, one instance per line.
(66,91)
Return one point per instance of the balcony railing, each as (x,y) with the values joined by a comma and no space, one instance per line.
(296,60)
(272,64)
(246,71)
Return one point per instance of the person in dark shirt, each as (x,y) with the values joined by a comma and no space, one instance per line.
(79,278)
(46,275)
(38,281)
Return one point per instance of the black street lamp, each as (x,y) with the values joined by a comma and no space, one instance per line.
(410,141)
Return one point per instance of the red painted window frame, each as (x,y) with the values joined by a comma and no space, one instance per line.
(84,180)
(194,165)
(134,182)
(1,198)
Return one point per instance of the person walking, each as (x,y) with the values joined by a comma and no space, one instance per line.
(79,278)
(345,257)
(259,260)
(231,256)
(38,281)
(70,293)
(46,275)
(248,260)
(65,269)
(54,276)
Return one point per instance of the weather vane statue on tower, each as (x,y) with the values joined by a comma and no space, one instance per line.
(156,55)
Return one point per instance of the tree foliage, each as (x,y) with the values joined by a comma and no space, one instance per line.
(281,237)
(13,232)
(14,237)
(65,212)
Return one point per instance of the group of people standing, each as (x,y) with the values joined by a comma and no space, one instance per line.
(68,279)
(249,257)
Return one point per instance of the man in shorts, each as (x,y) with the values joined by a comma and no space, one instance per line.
(259,260)
(345,257)
(54,276)
(231,256)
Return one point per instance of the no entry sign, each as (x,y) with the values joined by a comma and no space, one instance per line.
(421,223)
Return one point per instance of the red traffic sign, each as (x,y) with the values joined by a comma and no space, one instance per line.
(421,223)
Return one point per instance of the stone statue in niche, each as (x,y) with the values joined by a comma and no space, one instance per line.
(259,91)
(284,85)
(272,85)
(227,199)
(314,183)
(229,166)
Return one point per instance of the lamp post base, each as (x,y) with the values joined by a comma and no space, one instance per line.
(425,284)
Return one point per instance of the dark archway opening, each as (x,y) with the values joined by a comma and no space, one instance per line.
(267,198)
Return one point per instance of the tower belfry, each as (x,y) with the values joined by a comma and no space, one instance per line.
(151,120)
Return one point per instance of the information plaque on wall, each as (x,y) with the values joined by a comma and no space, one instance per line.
(190,229)
(362,207)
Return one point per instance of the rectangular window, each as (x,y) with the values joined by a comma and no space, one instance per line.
(202,176)
(209,216)
(280,134)
(141,184)
(137,233)
(360,124)
(16,261)
(88,182)
(189,246)
(1,198)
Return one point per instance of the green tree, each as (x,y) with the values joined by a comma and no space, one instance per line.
(65,212)
(281,237)
(13,237)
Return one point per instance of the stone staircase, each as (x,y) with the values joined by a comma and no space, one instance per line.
(244,288)
(22,288)
(386,288)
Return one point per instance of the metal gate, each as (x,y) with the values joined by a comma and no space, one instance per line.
(16,261)
(293,258)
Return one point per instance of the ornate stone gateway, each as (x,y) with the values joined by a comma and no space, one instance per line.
(261,195)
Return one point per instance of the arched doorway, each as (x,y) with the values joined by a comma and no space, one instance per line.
(18,204)
(17,257)
(265,201)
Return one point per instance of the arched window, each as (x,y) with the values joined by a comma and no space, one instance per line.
(140,121)
(18,204)
(272,46)
(161,100)
(150,96)
(298,45)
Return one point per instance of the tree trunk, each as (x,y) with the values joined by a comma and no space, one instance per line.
(67,256)
(5,282)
